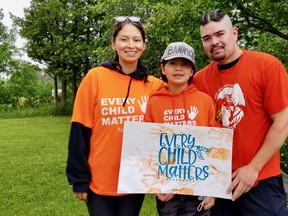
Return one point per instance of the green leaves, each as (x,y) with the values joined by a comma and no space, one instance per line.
(7,47)
(72,36)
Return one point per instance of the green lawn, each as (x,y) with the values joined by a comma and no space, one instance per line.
(33,154)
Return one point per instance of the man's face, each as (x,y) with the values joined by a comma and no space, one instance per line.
(219,40)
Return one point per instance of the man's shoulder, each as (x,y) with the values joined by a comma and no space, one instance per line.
(262,59)
(258,55)
(206,70)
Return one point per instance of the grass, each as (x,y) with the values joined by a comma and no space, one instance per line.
(32,166)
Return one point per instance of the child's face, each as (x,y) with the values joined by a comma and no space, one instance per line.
(178,71)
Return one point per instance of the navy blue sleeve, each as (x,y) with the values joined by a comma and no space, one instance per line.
(77,169)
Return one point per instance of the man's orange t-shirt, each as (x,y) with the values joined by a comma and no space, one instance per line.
(247,94)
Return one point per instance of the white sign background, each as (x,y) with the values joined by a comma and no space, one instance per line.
(146,167)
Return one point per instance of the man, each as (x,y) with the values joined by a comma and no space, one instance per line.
(250,90)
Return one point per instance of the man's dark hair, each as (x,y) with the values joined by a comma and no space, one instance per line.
(212,16)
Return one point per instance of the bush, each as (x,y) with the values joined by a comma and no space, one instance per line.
(7,111)
(60,110)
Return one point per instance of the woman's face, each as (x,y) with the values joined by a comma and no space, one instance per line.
(129,44)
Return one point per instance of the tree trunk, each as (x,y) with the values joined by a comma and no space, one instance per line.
(74,85)
(55,90)
(64,93)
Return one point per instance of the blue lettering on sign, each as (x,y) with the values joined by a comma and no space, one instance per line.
(177,140)
(177,157)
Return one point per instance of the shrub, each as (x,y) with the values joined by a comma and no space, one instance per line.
(7,111)
(284,156)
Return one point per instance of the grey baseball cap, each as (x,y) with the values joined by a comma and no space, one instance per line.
(179,50)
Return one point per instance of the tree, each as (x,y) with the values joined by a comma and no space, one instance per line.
(7,46)
(25,87)
(63,35)
(72,36)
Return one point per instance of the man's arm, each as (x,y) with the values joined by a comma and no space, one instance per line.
(245,177)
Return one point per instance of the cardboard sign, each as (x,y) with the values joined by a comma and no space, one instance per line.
(179,159)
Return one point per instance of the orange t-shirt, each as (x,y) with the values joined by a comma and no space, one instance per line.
(247,94)
(190,107)
(99,106)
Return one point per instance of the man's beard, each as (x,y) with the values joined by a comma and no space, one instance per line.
(218,57)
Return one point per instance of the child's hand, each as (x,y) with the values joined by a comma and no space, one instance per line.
(164,197)
(209,202)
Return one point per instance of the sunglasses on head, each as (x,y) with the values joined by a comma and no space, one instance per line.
(130,18)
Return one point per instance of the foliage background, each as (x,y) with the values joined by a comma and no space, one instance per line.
(72,36)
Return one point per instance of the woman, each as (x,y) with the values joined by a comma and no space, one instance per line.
(108,96)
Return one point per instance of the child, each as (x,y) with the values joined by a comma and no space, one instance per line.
(189,107)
